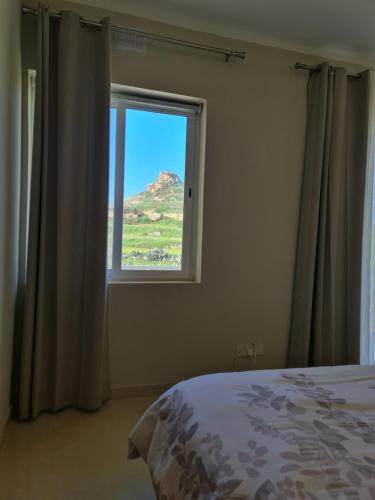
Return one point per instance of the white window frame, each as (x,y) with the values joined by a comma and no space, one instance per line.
(125,98)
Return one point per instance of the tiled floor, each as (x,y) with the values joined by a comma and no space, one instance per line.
(74,455)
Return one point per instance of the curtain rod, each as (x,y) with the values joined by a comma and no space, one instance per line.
(151,36)
(315,69)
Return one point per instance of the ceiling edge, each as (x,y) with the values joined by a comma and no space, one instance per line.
(240,35)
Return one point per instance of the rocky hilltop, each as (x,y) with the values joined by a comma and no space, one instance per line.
(163,198)
(165,180)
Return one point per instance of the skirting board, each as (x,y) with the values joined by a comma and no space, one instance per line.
(139,391)
(3,426)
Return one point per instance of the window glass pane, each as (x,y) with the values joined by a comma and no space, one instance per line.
(111,193)
(155,154)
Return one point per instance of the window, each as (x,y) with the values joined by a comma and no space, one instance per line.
(154,193)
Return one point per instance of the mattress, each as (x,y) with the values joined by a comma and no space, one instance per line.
(277,434)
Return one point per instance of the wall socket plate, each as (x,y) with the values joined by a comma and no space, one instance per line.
(247,350)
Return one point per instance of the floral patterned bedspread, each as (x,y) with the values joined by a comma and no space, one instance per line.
(301,433)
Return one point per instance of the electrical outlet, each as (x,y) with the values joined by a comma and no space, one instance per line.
(245,350)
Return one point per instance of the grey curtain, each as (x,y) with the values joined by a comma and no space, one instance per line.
(325,325)
(62,352)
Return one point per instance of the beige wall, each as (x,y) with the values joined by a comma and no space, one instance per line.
(10,88)
(254,152)
(161,333)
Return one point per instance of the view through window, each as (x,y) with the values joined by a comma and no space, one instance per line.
(155,146)
(151,187)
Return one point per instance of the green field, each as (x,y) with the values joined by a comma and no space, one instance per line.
(152,228)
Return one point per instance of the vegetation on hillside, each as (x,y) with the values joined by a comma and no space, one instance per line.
(153,225)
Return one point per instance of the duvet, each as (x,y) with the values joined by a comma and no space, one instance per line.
(300,433)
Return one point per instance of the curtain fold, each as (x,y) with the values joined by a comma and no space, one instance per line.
(326,313)
(62,351)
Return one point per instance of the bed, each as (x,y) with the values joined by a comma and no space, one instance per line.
(299,433)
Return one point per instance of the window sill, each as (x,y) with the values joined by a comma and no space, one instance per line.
(160,282)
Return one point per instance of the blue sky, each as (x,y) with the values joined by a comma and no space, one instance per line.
(154,142)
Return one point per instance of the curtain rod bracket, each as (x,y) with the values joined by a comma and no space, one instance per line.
(316,69)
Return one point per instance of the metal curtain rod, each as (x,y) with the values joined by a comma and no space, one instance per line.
(151,36)
(314,69)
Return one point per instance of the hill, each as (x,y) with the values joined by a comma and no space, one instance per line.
(164,197)
(153,221)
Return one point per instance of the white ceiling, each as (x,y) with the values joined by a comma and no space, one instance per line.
(342,29)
